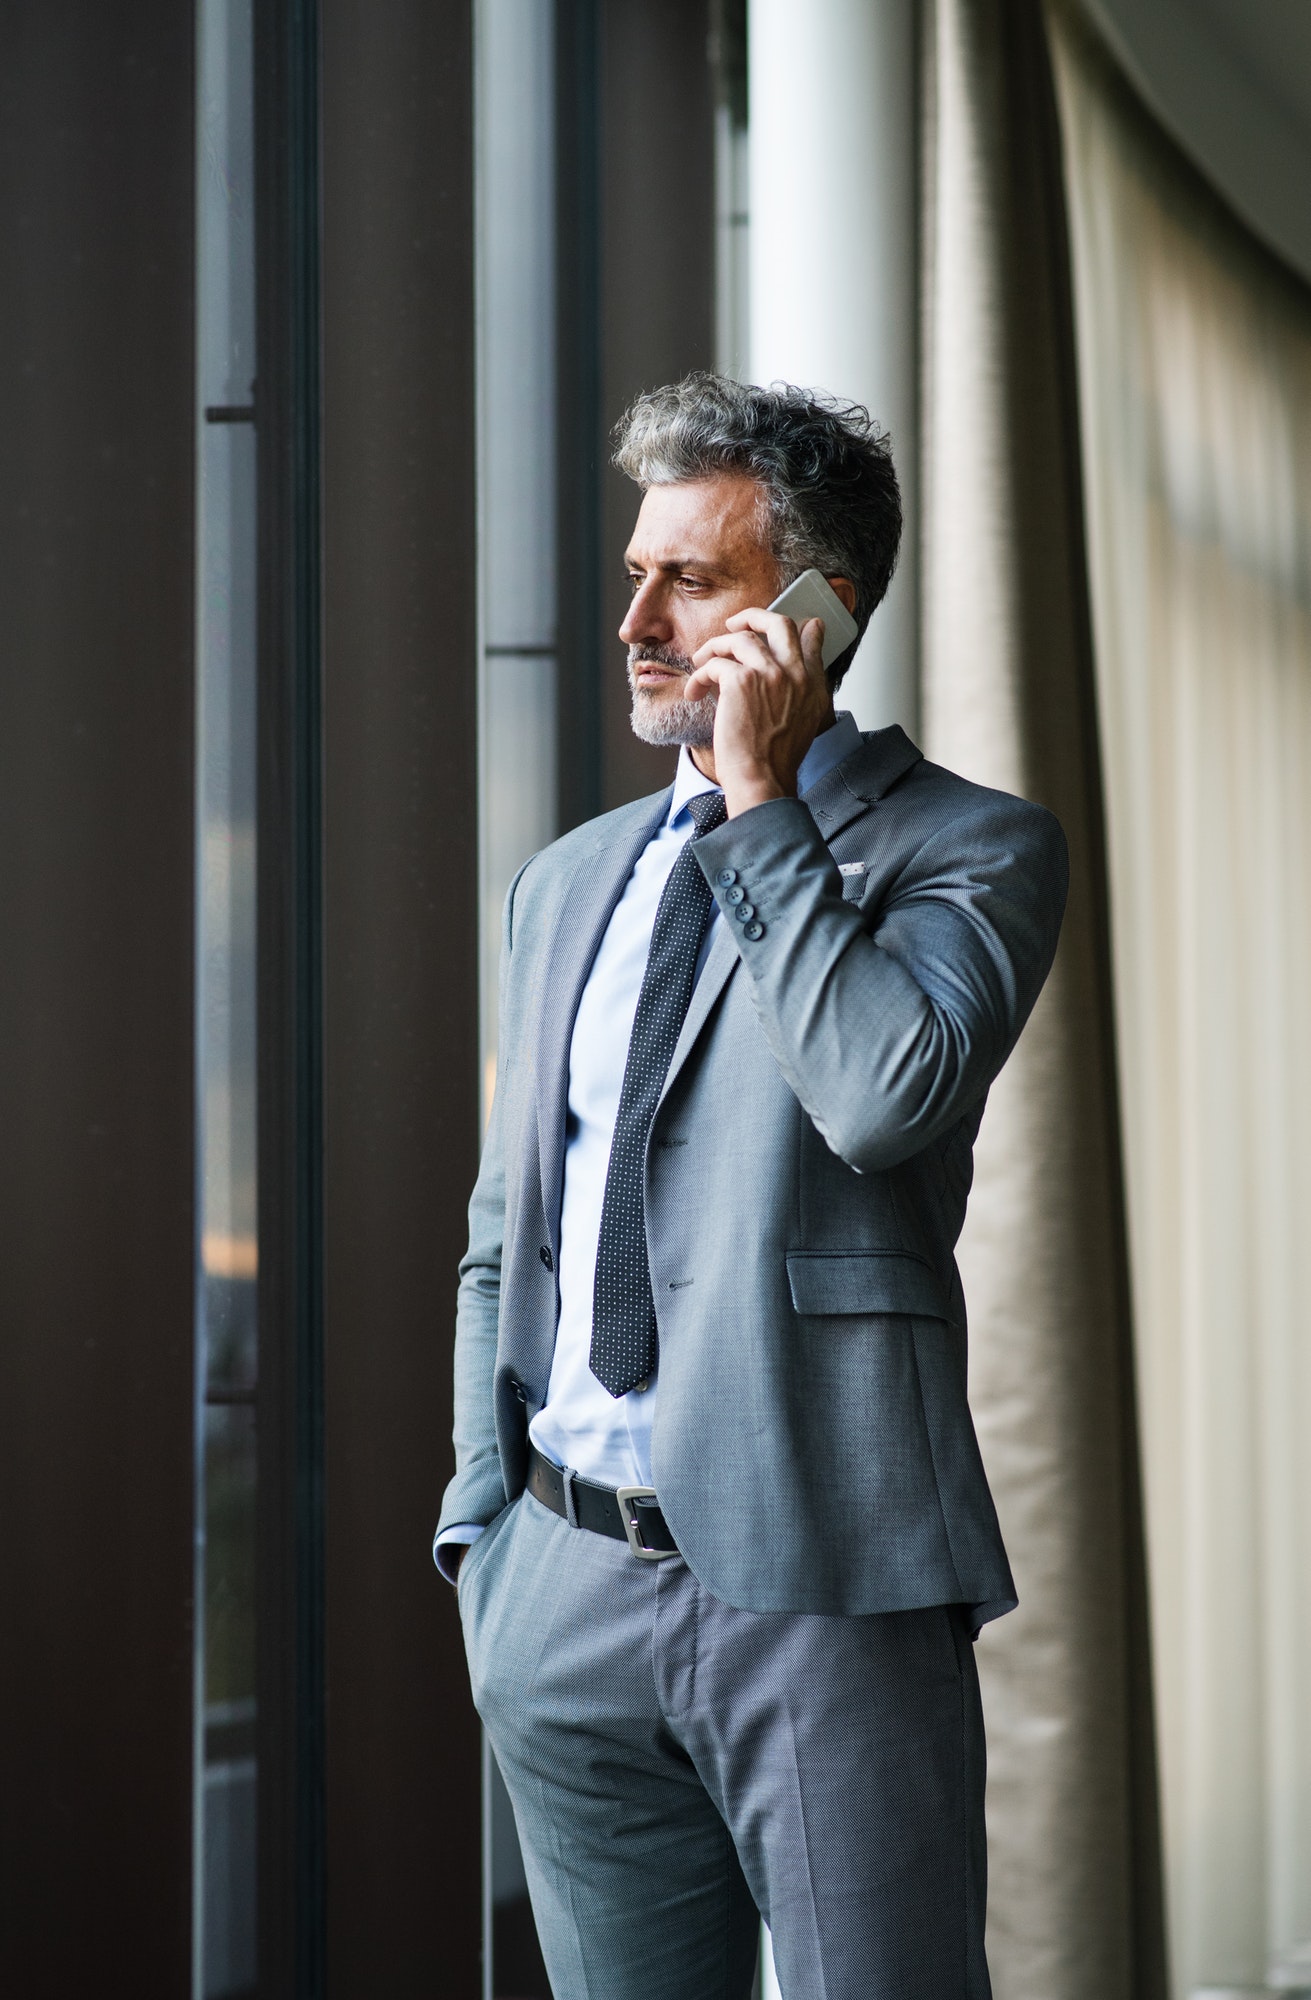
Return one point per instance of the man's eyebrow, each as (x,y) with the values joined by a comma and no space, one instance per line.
(671,565)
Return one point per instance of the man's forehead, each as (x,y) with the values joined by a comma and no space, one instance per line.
(716,522)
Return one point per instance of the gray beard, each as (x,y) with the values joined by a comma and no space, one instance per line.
(666,724)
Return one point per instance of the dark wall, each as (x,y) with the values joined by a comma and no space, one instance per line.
(657,148)
(636,199)
(400,967)
(96,1090)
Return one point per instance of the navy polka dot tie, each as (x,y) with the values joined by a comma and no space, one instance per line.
(623,1349)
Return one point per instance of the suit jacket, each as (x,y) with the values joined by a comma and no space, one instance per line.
(806,1180)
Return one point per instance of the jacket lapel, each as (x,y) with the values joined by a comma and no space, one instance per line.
(595,885)
(721,963)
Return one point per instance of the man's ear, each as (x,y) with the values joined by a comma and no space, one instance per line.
(843,587)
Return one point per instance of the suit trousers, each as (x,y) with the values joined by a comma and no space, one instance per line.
(677,1765)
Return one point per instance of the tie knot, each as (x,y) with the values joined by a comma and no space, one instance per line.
(708,811)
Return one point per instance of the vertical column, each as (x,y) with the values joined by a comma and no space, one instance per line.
(657,294)
(834,151)
(400,989)
(635,307)
(728,49)
(97,1166)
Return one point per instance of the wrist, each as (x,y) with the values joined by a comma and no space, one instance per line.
(753,789)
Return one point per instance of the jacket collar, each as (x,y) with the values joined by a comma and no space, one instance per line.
(884,756)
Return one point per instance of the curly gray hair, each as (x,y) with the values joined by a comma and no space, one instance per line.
(824,466)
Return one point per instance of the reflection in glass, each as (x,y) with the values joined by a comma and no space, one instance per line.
(517,668)
(226,1331)
(228,1788)
(516,461)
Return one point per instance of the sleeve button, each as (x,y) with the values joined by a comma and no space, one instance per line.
(735,894)
(727,876)
(745,913)
(755,929)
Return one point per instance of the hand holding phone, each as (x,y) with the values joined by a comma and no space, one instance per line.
(771,692)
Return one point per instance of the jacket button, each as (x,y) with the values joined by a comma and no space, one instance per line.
(726,876)
(545,1254)
(745,912)
(520,1392)
(735,894)
(754,930)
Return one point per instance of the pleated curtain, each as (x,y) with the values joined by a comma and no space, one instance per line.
(1194,350)
(1009,700)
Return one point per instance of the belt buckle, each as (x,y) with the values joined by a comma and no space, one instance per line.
(628,1515)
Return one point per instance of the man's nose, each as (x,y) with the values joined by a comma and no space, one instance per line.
(647,619)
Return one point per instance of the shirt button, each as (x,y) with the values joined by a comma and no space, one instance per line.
(754,930)
(545,1254)
(745,913)
(727,875)
(735,894)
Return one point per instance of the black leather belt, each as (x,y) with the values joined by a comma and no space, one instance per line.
(626,1513)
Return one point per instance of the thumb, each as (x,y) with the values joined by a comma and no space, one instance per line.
(812,644)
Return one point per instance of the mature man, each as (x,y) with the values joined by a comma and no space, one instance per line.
(731,1536)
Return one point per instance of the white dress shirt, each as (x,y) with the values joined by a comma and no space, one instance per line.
(581,1425)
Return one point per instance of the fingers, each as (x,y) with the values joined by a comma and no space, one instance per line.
(777,628)
(757,646)
(731,650)
(743,646)
(703,681)
(776,632)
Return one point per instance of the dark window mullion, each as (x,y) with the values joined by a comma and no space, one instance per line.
(290,1397)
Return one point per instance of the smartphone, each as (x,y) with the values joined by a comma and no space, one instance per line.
(811,596)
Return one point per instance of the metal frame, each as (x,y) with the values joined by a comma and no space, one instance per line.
(290,1608)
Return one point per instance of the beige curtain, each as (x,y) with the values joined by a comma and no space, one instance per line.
(1008,699)
(1195,380)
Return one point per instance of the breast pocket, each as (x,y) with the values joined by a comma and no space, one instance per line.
(854,878)
(865,1282)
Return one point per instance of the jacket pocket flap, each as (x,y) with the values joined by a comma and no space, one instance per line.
(865,1281)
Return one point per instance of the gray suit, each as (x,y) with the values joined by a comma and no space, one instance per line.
(806,1181)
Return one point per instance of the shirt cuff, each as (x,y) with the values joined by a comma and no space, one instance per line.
(458,1536)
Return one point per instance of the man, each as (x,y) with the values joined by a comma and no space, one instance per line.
(726,1533)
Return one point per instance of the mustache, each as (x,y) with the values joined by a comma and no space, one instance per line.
(660,656)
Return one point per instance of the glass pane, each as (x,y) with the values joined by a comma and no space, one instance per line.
(516,368)
(228,1817)
(517,678)
(226,1329)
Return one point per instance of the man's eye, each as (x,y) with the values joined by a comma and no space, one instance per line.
(634,583)
(692,582)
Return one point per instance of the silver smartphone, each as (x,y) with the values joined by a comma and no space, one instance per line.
(811,596)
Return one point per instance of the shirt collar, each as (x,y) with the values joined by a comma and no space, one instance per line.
(829,748)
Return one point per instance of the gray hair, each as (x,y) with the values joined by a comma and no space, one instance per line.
(824,465)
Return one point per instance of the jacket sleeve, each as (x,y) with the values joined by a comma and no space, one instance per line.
(477,1492)
(887,1038)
